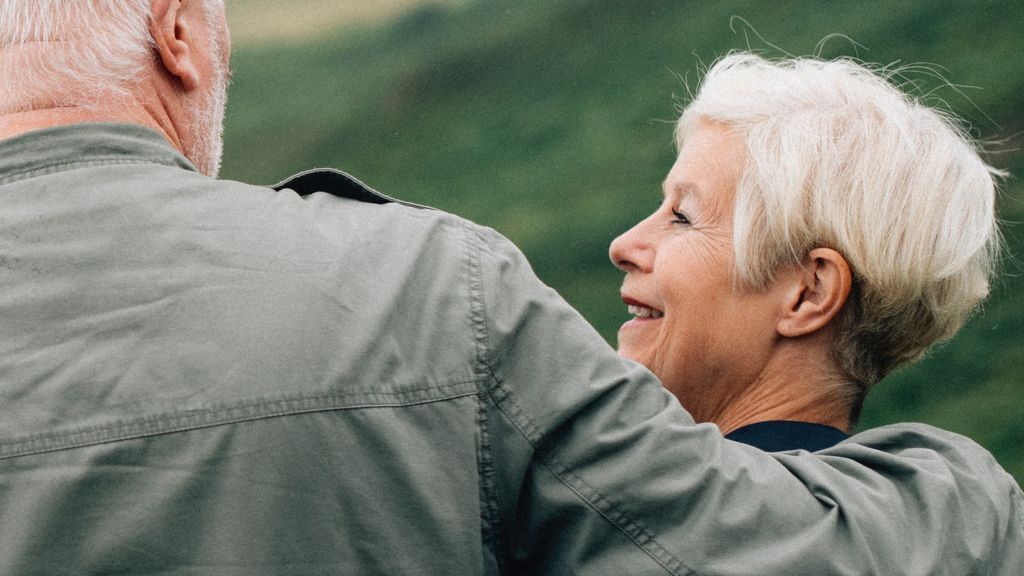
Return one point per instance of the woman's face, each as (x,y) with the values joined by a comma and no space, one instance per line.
(704,338)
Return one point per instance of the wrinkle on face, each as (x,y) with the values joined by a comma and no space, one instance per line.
(713,339)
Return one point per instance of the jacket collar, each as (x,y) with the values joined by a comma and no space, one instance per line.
(72,146)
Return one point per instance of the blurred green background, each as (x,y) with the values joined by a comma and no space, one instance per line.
(551,121)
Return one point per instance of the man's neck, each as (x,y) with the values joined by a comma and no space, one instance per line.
(17,123)
(145,107)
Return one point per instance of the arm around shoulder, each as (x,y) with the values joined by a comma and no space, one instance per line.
(595,468)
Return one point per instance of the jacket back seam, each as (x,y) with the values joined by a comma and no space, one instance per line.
(208,417)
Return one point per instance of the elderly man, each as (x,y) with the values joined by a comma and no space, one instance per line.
(206,377)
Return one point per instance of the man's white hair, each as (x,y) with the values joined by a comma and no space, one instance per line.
(85,53)
(839,157)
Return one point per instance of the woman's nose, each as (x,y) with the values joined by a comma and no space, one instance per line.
(632,252)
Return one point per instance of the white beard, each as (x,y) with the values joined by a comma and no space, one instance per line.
(202,139)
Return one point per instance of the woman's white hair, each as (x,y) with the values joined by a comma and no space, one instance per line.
(839,157)
(93,52)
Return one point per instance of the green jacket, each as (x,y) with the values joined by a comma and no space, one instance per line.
(207,377)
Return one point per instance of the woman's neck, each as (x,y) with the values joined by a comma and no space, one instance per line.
(794,386)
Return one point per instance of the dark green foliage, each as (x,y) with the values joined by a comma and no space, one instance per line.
(552,122)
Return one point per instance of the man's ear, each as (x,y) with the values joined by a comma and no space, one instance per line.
(819,289)
(174,42)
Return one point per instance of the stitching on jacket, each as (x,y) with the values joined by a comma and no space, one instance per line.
(477,300)
(604,506)
(66,166)
(490,526)
(185,420)
(1019,496)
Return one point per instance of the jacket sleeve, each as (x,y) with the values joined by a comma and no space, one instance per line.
(595,469)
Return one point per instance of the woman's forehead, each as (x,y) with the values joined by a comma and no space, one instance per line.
(707,169)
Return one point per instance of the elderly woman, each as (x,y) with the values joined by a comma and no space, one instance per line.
(818,230)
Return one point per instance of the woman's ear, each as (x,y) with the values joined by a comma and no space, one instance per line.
(175,42)
(818,292)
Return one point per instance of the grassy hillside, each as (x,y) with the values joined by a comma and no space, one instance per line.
(258,21)
(551,121)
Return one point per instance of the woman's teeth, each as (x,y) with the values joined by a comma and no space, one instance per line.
(642,312)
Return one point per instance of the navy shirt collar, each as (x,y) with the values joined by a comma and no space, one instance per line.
(785,435)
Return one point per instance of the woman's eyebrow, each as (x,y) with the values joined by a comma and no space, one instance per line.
(679,189)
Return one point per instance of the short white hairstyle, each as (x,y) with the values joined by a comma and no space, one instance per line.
(838,156)
(97,50)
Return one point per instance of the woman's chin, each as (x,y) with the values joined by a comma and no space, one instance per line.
(637,338)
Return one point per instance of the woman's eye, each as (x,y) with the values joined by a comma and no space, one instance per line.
(680,218)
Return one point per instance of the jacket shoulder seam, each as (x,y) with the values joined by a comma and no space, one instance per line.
(489,497)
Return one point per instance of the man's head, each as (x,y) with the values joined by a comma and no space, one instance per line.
(109,57)
(839,157)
